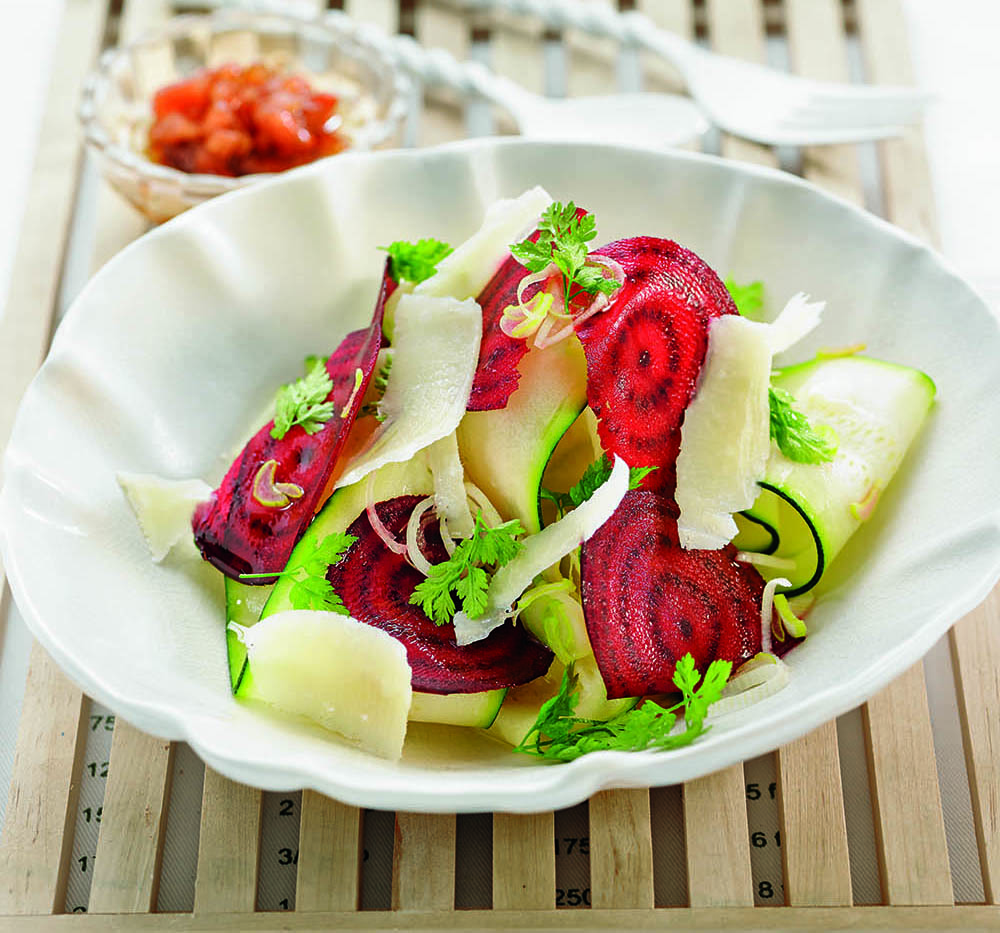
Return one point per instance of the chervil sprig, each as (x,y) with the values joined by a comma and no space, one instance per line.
(795,436)
(303,403)
(310,587)
(562,241)
(749,299)
(559,735)
(415,262)
(464,574)
(594,476)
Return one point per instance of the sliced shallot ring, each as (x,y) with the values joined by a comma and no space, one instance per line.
(549,338)
(541,335)
(767,609)
(490,515)
(446,538)
(390,542)
(613,265)
(765,560)
(761,677)
(533,279)
(417,558)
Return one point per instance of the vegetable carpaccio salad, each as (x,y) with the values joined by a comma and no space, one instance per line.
(553,492)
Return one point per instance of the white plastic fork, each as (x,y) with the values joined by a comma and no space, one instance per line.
(740,97)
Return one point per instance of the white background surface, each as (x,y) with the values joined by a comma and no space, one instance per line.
(954,50)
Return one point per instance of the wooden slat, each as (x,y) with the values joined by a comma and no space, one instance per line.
(675,16)
(909,203)
(975,646)
(31,302)
(443,117)
(516,51)
(908,195)
(621,849)
(717,840)
(908,809)
(524,861)
(909,826)
(41,804)
(911,830)
(715,814)
(818,50)
(381,13)
(423,862)
(38,829)
(736,28)
(750,919)
(591,61)
(813,824)
(524,866)
(228,846)
(127,864)
(329,870)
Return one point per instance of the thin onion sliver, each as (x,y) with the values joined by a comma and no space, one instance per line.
(758,679)
(766,610)
(397,547)
(417,558)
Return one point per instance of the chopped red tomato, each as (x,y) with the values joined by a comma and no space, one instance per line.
(236,120)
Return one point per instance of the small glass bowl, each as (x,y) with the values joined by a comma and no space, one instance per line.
(116,103)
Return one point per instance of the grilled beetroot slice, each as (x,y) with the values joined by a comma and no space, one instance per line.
(239,535)
(644,354)
(375,585)
(499,355)
(648,602)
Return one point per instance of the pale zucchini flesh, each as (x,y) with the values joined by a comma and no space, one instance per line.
(506,451)
(478,710)
(876,410)
(244,605)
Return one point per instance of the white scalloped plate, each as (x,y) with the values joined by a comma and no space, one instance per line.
(177,343)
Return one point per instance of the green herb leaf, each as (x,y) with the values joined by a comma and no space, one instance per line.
(312,361)
(463,574)
(595,476)
(303,403)
(749,299)
(561,736)
(796,438)
(415,262)
(310,587)
(563,240)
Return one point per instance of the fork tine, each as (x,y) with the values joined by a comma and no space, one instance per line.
(832,115)
(830,137)
(865,93)
(886,109)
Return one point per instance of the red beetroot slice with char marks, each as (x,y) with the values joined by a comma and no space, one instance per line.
(648,602)
(645,352)
(496,376)
(376,584)
(232,529)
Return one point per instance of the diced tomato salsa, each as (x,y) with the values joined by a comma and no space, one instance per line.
(236,120)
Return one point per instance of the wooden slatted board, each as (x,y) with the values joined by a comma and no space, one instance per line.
(627,842)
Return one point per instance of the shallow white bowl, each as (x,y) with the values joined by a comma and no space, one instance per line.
(177,343)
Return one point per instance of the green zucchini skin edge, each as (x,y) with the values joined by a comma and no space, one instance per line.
(776,539)
(910,389)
